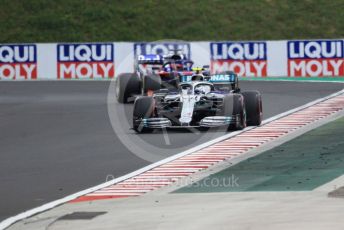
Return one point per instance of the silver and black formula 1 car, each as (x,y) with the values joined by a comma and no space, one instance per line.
(201,102)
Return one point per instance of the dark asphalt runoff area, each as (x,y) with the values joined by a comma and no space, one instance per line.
(57,138)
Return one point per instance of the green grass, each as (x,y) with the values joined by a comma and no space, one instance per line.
(134,20)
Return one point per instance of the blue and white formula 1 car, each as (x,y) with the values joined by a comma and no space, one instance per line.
(152,72)
(201,102)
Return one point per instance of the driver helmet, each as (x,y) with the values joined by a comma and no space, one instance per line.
(173,66)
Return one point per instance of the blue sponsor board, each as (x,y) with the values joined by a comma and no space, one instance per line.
(18,53)
(319,49)
(238,50)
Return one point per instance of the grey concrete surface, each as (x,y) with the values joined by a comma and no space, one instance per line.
(56,137)
(236,211)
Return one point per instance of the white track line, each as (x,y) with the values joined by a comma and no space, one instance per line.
(11,220)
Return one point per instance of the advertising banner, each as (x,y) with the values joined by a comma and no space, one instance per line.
(85,61)
(315,58)
(244,58)
(18,62)
(103,61)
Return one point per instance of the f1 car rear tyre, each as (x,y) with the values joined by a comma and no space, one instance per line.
(143,108)
(151,82)
(127,84)
(254,109)
(233,105)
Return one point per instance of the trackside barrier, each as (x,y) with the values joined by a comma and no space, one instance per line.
(103,61)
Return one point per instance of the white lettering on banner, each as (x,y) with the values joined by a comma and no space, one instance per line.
(241,68)
(12,54)
(296,67)
(29,70)
(259,67)
(323,49)
(155,49)
(8,71)
(85,53)
(106,69)
(238,51)
(86,70)
(16,71)
(336,66)
(82,56)
(160,48)
(67,70)
(316,68)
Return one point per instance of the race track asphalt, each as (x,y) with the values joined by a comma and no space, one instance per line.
(57,138)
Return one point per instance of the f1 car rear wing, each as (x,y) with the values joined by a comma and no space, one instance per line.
(223,78)
(152,59)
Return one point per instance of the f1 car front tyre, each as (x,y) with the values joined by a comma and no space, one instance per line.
(254,109)
(143,108)
(233,106)
(127,84)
